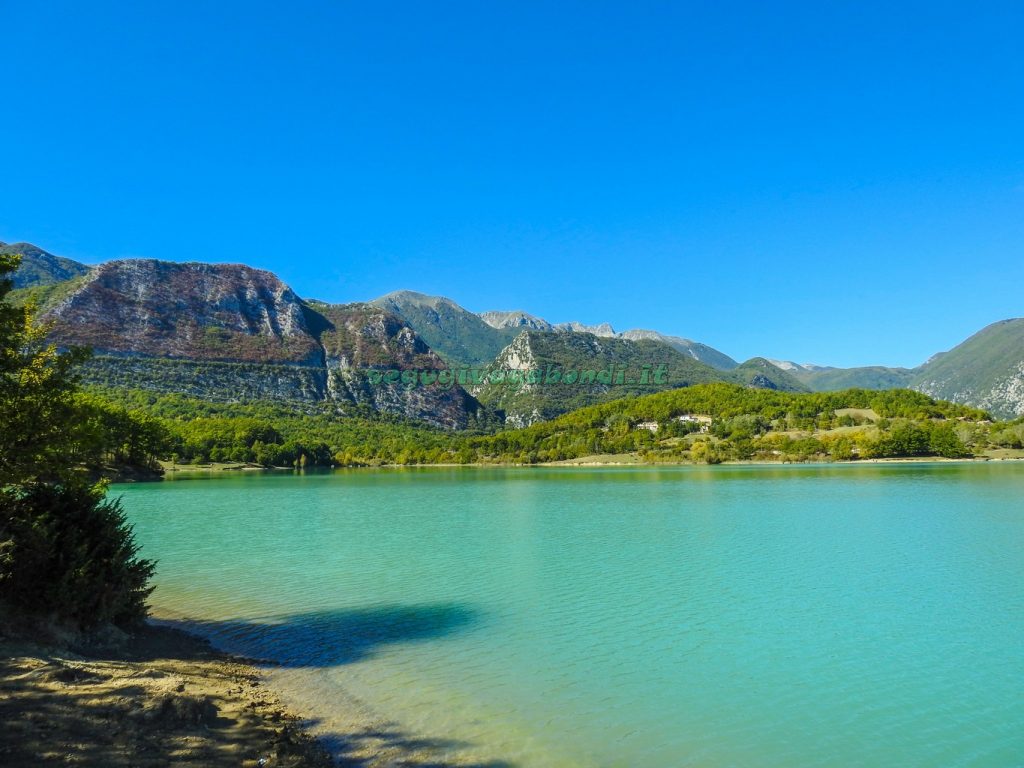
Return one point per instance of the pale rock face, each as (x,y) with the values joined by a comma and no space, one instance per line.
(604,330)
(789,366)
(515,319)
(517,356)
(520,420)
(693,349)
(361,337)
(1005,397)
(230,332)
(786,365)
(1008,393)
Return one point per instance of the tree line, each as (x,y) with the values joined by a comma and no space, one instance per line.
(745,424)
(67,555)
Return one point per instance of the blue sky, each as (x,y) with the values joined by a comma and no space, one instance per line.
(831,182)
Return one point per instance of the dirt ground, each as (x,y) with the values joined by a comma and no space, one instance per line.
(164,699)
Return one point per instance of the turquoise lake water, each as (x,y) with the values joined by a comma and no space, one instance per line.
(643,617)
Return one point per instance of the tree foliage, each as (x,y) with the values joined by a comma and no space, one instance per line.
(68,553)
(65,552)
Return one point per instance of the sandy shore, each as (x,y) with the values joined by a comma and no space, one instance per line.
(163,699)
(166,698)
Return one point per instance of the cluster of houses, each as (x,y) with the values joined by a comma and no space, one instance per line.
(686,418)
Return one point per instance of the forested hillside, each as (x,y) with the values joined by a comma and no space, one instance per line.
(706,423)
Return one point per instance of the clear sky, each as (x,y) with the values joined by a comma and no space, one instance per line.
(831,182)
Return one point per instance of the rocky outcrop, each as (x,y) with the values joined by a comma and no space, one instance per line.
(1006,395)
(228,332)
(603,330)
(541,375)
(986,371)
(363,343)
(760,373)
(515,319)
(209,312)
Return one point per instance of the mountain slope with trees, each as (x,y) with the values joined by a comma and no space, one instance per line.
(986,370)
(40,268)
(456,334)
(228,332)
(620,368)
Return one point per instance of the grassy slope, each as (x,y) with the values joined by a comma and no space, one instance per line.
(44,296)
(868,377)
(987,370)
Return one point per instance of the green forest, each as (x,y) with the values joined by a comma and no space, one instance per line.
(739,424)
(67,557)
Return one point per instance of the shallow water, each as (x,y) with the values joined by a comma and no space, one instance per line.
(641,617)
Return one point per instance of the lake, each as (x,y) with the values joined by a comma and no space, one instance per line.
(854,615)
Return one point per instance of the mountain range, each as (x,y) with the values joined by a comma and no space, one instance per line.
(228,331)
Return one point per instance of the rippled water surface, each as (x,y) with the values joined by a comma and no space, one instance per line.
(640,617)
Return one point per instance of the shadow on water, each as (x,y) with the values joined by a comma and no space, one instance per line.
(331,638)
(304,640)
(337,637)
(417,752)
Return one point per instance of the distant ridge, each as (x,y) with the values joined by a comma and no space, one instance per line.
(515,319)
(603,330)
(40,268)
(763,374)
(221,314)
(694,349)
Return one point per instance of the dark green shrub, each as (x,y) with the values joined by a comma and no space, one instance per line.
(68,554)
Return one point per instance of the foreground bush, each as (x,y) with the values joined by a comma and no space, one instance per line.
(68,554)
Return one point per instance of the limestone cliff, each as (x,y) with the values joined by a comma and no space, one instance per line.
(231,332)
(223,312)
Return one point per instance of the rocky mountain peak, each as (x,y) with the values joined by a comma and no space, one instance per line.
(604,330)
(515,319)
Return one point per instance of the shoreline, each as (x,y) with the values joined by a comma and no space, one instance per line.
(160,697)
(167,696)
(349,732)
(598,460)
